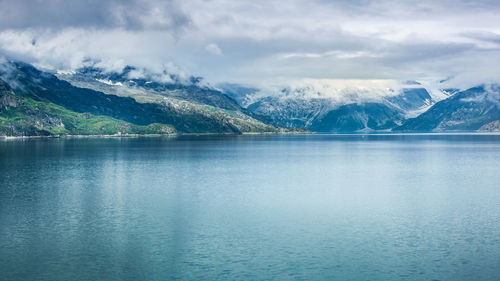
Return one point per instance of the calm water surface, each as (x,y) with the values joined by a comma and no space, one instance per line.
(313,207)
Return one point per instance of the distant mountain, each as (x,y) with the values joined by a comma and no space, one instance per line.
(290,112)
(411,99)
(365,117)
(241,94)
(348,110)
(136,105)
(467,110)
(134,101)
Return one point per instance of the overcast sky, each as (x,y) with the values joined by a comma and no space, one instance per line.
(262,41)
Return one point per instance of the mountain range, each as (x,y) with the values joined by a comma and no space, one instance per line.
(182,108)
(95,101)
(411,108)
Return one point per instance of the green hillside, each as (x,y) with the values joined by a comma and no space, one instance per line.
(23,116)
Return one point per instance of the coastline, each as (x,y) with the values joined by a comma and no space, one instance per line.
(174,135)
(235,134)
(87,136)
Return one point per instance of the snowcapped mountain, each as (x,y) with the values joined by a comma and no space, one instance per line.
(342,106)
(135,97)
(364,117)
(241,94)
(466,110)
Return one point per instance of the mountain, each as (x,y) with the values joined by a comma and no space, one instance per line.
(23,116)
(491,127)
(163,84)
(365,117)
(467,110)
(410,100)
(93,101)
(182,98)
(241,94)
(323,109)
(289,112)
(137,105)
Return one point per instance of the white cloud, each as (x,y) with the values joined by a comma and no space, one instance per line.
(263,41)
(213,49)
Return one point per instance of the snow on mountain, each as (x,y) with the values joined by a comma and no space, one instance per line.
(312,103)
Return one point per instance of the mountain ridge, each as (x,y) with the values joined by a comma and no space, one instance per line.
(132,99)
(23,116)
(466,110)
(185,116)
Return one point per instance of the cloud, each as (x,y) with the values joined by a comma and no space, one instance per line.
(335,53)
(491,39)
(60,14)
(213,49)
(263,41)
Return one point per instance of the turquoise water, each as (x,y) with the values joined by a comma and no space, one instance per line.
(318,207)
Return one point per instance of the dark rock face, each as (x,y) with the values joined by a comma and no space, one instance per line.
(411,99)
(358,117)
(4,87)
(290,113)
(6,99)
(465,111)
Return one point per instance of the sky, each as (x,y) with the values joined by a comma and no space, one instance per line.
(262,41)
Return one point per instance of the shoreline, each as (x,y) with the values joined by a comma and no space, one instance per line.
(175,135)
(149,135)
(88,136)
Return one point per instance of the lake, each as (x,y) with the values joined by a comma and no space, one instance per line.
(293,207)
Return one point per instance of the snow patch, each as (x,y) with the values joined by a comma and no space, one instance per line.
(109,82)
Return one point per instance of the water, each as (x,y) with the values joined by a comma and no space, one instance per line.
(313,207)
